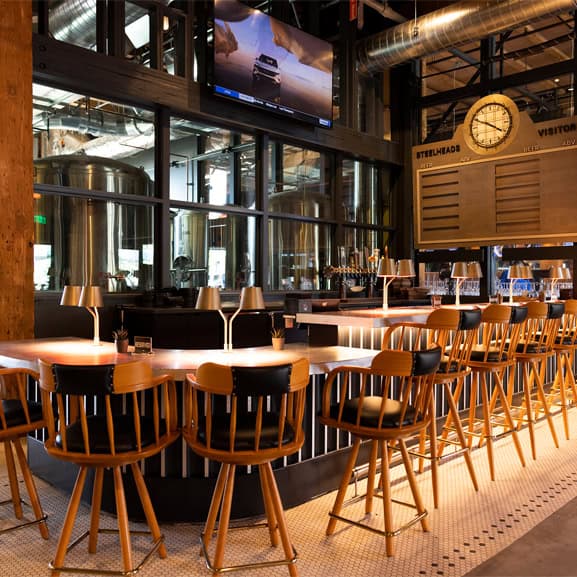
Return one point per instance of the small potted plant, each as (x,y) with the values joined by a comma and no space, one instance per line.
(277,339)
(121,340)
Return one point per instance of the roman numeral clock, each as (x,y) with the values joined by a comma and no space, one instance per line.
(491,124)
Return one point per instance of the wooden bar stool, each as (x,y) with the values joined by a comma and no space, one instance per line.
(263,423)
(386,412)
(534,347)
(495,353)
(18,418)
(563,392)
(455,331)
(117,435)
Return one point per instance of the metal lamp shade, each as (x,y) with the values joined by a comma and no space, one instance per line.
(520,271)
(405,268)
(251,299)
(566,273)
(71,295)
(459,270)
(90,296)
(474,270)
(387,267)
(556,272)
(208,299)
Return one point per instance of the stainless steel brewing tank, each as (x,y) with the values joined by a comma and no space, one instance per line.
(87,235)
(93,173)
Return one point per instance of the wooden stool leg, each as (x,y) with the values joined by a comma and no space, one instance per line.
(387,503)
(454,414)
(122,519)
(413,485)
(509,418)
(543,400)
(95,509)
(343,486)
(433,451)
(148,508)
(224,519)
(69,519)
(529,410)
(562,374)
(13,479)
(475,383)
(31,488)
(487,430)
(371,477)
(215,504)
(268,506)
(280,516)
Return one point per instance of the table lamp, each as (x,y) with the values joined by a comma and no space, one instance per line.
(70,295)
(209,300)
(517,271)
(387,269)
(555,274)
(91,299)
(251,299)
(459,271)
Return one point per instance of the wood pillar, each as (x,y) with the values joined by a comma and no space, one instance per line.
(16,176)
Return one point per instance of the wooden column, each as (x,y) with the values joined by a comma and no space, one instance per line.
(16,202)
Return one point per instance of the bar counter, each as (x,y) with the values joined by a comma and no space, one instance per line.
(181,483)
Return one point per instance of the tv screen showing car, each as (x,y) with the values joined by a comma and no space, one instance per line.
(272,65)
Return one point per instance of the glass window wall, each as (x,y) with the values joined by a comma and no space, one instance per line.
(213,249)
(298,254)
(299,181)
(92,144)
(87,241)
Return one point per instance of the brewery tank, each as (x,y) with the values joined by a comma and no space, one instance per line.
(86,235)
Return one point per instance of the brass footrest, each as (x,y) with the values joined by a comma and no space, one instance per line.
(393,533)
(22,524)
(88,571)
(259,565)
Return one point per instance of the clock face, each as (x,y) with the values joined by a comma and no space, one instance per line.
(491,125)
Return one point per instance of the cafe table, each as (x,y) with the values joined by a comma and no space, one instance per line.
(181,483)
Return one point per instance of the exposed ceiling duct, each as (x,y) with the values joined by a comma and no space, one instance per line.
(73,21)
(450,26)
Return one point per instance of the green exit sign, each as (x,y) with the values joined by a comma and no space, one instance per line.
(40,219)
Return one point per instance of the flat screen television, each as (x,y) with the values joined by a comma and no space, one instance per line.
(274,66)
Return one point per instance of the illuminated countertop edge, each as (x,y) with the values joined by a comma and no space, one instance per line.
(176,362)
(369,318)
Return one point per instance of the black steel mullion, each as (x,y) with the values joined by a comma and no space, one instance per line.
(261,185)
(116,24)
(156,17)
(162,192)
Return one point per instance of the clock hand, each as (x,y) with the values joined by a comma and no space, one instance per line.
(489,124)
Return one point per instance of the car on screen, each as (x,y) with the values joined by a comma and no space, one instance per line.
(266,68)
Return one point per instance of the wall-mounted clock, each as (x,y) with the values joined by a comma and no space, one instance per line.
(491,124)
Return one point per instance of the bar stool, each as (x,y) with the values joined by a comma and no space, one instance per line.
(263,423)
(117,435)
(563,391)
(394,406)
(534,347)
(455,331)
(18,418)
(495,353)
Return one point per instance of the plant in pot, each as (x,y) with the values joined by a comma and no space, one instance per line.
(121,340)
(277,339)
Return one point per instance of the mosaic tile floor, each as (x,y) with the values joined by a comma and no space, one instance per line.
(468,528)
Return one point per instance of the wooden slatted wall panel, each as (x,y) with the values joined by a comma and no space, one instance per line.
(440,207)
(17,224)
(518,195)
